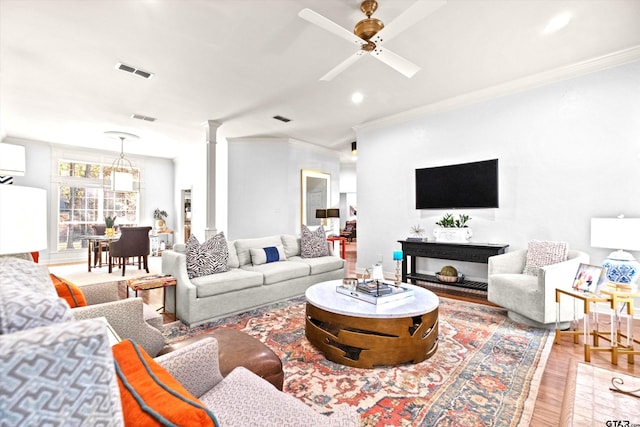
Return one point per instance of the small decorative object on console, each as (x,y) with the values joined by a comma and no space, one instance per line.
(453,230)
(449,274)
(417,233)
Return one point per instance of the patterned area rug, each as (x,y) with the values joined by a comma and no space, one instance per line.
(486,371)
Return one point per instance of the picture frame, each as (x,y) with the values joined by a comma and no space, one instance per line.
(589,278)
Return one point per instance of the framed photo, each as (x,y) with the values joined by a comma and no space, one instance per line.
(589,278)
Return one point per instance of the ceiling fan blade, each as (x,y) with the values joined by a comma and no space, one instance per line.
(395,61)
(416,12)
(328,25)
(342,66)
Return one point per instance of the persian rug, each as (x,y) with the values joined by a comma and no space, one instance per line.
(486,371)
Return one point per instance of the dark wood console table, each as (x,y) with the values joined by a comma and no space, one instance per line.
(471,252)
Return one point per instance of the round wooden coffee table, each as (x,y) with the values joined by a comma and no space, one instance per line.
(363,335)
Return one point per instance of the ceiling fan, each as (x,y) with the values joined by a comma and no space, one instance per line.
(370,34)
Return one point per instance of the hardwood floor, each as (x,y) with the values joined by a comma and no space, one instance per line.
(550,395)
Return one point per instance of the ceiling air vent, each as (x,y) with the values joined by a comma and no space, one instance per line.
(145,118)
(132,70)
(282,119)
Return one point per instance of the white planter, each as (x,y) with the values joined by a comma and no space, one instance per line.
(452,235)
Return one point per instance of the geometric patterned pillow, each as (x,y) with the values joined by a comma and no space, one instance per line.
(59,375)
(22,309)
(543,253)
(209,258)
(26,274)
(313,244)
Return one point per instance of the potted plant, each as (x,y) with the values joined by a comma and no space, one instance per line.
(453,230)
(160,215)
(109,221)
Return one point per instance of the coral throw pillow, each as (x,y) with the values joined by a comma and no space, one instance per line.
(151,396)
(69,292)
(543,253)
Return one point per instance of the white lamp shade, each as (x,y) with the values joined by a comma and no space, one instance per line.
(616,233)
(121,181)
(12,160)
(23,219)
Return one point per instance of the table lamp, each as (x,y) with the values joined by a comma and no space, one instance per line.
(620,234)
(23,220)
(321,214)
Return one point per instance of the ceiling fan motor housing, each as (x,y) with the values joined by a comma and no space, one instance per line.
(369,26)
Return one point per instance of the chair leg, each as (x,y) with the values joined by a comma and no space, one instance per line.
(110,264)
(124,265)
(146,263)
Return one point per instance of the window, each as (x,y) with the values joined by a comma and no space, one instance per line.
(83,202)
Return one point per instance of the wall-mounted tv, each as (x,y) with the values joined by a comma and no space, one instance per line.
(465,185)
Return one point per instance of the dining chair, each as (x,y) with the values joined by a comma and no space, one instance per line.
(133,242)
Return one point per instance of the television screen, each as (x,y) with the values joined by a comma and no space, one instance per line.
(466,185)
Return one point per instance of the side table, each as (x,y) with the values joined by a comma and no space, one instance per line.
(155,281)
(591,322)
(343,243)
(622,343)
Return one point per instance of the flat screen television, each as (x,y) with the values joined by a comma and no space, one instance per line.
(465,185)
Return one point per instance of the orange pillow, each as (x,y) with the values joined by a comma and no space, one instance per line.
(70,292)
(150,395)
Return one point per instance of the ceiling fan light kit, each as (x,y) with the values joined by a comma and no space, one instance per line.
(370,33)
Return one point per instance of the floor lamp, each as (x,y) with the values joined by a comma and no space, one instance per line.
(23,220)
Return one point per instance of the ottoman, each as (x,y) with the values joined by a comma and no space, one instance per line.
(236,348)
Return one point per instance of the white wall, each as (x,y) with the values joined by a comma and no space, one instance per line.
(568,152)
(264,184)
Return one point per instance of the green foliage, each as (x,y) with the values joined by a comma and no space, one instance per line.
(109,221)
(448,221)
(159,214)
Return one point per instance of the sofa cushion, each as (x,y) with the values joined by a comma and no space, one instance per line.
(209,258)
(269,254)
(313,243)
(543,253)
(27,274)
(150,395)
(233,261)
(22,309)
(71,293)
(279,271)
(230,281)
(243,247)
(291,245)
(322,264)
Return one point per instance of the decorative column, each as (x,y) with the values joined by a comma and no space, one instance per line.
(211,130)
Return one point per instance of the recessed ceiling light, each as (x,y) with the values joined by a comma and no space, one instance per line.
(142,117)
(557,23)
(357,98)
(282,118)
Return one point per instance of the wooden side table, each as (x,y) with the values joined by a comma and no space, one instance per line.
(155,281)
(591,321)
(343,245)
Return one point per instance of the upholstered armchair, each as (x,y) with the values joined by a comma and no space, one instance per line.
(531,299)
(133,242)
(349,231)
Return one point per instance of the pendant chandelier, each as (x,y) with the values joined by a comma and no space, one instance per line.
(122,177)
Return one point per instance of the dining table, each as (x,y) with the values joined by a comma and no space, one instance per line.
(95,245)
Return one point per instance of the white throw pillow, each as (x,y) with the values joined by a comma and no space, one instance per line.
(543,253)
(266,255)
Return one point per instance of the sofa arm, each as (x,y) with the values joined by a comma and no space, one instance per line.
(175,264)
(194,366)
(127,319)
(98,293)
(509,263)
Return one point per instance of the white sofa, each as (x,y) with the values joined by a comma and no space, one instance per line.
(245,285)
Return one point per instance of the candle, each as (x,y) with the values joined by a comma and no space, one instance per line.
(397,255)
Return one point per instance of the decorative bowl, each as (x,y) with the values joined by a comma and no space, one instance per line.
(450,279)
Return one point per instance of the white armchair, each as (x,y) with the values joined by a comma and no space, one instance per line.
(532,299)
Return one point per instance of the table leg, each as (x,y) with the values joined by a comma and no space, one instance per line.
(89,254)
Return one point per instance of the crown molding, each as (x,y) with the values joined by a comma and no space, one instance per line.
(611,60)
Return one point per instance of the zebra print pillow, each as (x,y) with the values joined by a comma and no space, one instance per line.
(313,244)
(209,258)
